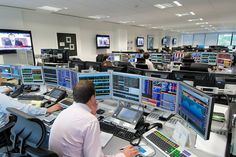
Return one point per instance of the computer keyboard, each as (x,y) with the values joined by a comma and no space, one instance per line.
(116,130)
(165,145)
(30,97)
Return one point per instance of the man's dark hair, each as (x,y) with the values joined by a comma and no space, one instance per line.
(83,91)
(146,55)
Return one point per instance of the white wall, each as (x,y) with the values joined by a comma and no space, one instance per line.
(44,28)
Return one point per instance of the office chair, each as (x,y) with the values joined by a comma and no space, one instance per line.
(4,134)
(27,136)
(141,66)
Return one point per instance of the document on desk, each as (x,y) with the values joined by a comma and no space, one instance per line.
(105,138)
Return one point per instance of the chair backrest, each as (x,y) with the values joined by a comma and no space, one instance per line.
(142,66)
(27,131)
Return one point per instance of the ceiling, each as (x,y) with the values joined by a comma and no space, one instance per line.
(220,14)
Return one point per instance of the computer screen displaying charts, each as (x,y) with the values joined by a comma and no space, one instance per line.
(50,75)
(64,78)
(196,108)
(5,71)
(74,78)
(159,93)
(16,71)
(101,83)
(32,75)
(126,87)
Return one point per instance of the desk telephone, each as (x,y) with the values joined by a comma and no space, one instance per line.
(24,88)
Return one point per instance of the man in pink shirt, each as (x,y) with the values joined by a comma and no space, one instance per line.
(76,130)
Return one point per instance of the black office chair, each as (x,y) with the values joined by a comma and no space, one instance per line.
(27,136)
(4,134)
(141,66)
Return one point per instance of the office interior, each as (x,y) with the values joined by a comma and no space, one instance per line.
(208,78)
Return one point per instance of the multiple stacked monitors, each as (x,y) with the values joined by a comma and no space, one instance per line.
(101,83)
(196,108)
(103,41)
(50,75)
(158,93)
(126,87)
(32,75)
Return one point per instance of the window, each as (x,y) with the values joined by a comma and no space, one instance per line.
(211,39)
(224,39)
(187,39)
(234,39)
(199,39)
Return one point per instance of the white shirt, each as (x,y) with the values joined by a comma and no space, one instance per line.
(6,101)
(76,133)
(149,64)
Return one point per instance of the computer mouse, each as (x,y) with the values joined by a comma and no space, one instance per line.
(100,118)
(100,111)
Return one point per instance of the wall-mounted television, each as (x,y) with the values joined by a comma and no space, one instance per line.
(140,41)
(12,40)
(103,41)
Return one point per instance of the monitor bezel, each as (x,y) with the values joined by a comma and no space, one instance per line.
(32,67)
(127,75)
(162,80)
(100,73)
(210,110)
(103,47)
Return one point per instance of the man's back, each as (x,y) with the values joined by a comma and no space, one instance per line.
(70,129)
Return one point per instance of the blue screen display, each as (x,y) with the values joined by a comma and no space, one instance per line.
(74,78)
(64,78)
(6,71)
(16,71)
(159,93)
(196,108)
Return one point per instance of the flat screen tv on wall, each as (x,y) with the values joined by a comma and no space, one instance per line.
(13,40)
(103,41)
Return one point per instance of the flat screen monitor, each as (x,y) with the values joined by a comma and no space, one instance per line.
(32,75)
(74,78)
(16,71)
(140,41)
(159,93)
(103,41)
(95,65)
(126,87)
(6,71)
(196,108)
(101,83)
(12,40)
(50,75)
(64,78)
(55,55)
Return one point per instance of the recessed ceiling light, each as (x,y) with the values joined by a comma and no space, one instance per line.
(193,20)
(155,27)
(177,3)
(99,17)
(125,22)
(49,8)
(192,13)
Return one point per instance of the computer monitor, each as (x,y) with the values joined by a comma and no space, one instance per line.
(6,71)
(196,108)
(159,74)
(55,55)
(74,78)
(137,71)
(159,93)
(64,78)
(140,60)
(50,75)
(141,66)
(16,71)
(126,87)
(101,81)
(32,75)
(95,65)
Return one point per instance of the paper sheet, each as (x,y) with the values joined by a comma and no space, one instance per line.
(105,138)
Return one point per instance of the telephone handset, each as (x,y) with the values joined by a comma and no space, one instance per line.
(17,91)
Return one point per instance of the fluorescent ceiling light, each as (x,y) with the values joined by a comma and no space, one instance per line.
(177,3)
(49,8)
(185,14)
(202,23)
(155,27)
(99,17)
(193,20)
(125,22)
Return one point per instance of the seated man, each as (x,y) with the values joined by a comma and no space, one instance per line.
(76,130)
(7,101)
(148,62)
